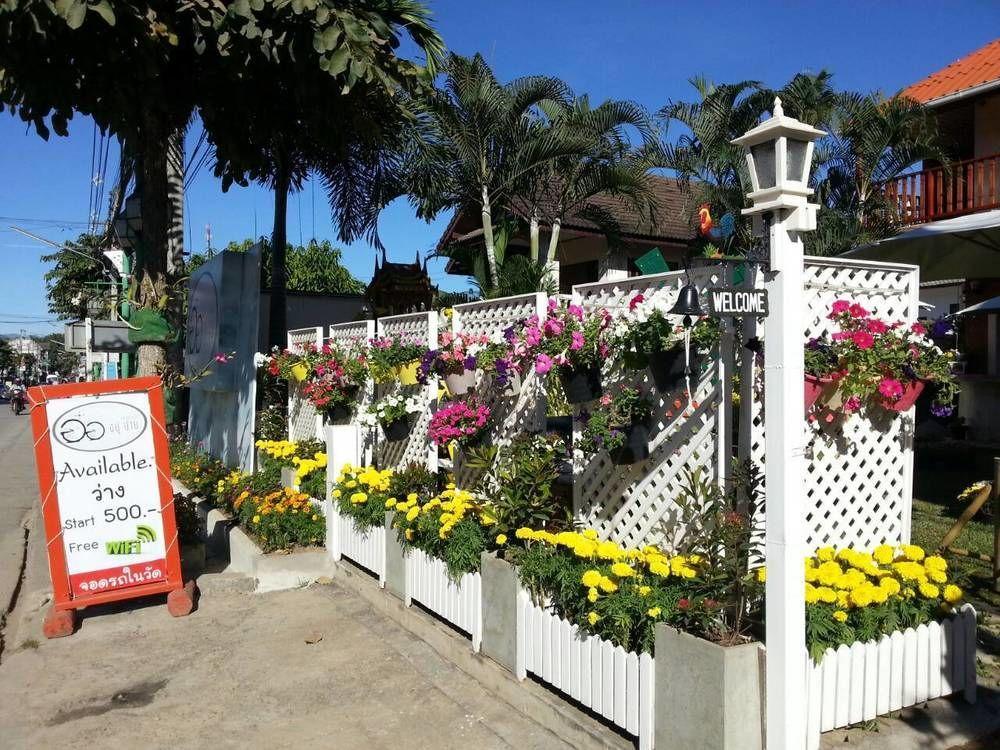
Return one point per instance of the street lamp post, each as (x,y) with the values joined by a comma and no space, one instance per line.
(779,152)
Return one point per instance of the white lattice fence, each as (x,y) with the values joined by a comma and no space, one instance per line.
(510,413)
(353,337)
(859,471)
(303,421)
(635,504)
(416,447)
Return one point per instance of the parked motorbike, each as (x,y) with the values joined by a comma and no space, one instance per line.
(17,402)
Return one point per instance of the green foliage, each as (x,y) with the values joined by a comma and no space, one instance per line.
(8,357)
(362,494)
(603,429)
(519,479)
(316,267)
(414,478)
(81,281)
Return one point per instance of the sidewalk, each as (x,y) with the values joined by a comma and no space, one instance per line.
(239,673)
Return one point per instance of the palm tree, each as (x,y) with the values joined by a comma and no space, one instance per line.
(609,166)
(482,143)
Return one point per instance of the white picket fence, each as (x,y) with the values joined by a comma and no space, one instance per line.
(458,602)
(859,682)
(365,548)
(612,682)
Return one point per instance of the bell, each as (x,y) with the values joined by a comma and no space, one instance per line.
(687,304)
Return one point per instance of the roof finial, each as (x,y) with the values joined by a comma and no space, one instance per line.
(777,111)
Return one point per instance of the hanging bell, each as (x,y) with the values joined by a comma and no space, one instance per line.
(687,304)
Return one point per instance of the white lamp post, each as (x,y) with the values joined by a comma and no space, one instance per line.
(779,152)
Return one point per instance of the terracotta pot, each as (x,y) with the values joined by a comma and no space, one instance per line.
(581,385)
(636,446)
(815,387)
(911,392)
(459,384)
(667,367)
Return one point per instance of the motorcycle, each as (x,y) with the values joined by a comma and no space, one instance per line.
(17,402)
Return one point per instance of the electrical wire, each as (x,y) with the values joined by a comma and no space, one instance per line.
(90,179)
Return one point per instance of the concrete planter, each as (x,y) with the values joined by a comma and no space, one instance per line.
(395,561)
(707,697)
(499,594)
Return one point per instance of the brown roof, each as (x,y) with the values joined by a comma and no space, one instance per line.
(977,69)
(672,220)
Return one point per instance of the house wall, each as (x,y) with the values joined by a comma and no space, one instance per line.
(946,300)
(583,258)
(987,126)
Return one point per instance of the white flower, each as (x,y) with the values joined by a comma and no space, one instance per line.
(259,360)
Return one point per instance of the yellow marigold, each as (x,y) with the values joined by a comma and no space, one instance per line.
(523,533)
(592,595)
(589,534)
(826,594)
(825,553)
(336,493)
(622,570)
(409,535)
(585,548)
(654,611)
(861,596)
(593,617)
(812,594)
(608,551)
(952,594)
(929,591)
(644,590)
(840,616)
(256,519)
(315,517)
(412,513)
(913,552)
(591,578)
(936,562)
(501,538)
(937,576)
(891,585)
(607,585)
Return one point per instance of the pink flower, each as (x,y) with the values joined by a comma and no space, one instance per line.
(554,327)
(857,311)
(532,336)
(877,326)
(543,363)
(221,358)
(634,302)
(553,304)
(841,336)
(605,400)
(576,311)
(918,329)
(839,307)
(577,342)
(890,388)
(863,339)
(852,404)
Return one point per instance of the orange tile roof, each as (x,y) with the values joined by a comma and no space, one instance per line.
(975,69)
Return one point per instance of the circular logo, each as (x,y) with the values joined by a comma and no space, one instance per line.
(99,426)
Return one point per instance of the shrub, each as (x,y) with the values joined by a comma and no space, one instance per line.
(280,519)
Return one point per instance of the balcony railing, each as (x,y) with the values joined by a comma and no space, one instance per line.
(966,187)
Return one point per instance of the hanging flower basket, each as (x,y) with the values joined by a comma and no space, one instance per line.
(338,414)
(458,384)
(299,372)
(407,374)
(397,430)
(581,384)
(636,445)
(911,392)
(816,386)
(667,367)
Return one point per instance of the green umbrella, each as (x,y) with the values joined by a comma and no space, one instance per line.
(967,247)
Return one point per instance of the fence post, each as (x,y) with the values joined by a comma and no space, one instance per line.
(996,524)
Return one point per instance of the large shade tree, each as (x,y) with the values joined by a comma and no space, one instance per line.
(140,69)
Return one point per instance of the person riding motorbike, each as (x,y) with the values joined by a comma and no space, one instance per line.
(18,399)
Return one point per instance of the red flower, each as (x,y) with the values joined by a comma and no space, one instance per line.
(839,307)
(683,604)
(918,329)
(863,339)
(857,311)
(632,303)
(877,326)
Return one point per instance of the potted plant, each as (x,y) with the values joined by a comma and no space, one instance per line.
(888,365)
(462,422)
(393,414)
(570,341)
(457,359)
(395,357)
(822,368)
(619,425)
(293,366)
(645,336)
(334,384)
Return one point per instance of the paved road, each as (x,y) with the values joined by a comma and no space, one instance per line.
(18,497)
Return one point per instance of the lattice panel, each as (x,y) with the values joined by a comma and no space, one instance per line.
(512,414)
(351,335)
(635,504)
(859,472)
(303,421)
(416,447)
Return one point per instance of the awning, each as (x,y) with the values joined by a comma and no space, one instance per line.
(987,306)
(964,247)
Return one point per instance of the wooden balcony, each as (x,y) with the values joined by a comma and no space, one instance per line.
(966,187)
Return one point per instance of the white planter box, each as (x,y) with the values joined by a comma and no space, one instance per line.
(859,682)
(365,548)
(605,678)
(460,603)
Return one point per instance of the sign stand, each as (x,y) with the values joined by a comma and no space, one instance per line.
(102,457)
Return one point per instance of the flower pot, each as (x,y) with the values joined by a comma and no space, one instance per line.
(667,367)
(338,414)
(398,430)
(299,372)
(635,447)
(911,392)
(459,384)
(581,384)
(407,374)
(814,387)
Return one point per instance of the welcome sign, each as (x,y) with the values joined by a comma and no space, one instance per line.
(103,467)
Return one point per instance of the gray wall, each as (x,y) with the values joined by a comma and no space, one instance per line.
(306,310)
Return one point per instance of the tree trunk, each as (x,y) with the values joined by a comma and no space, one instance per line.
(491,253)
(175,186)
(278,320)
(534,238)
(151,252)
(554,239)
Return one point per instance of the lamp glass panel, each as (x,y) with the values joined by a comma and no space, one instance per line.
(763,164)
(796,161)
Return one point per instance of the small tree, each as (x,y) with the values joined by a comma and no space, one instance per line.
(81,281)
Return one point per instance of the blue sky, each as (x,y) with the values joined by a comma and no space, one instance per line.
(643,50)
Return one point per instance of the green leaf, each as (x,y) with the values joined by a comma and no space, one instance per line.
(103,9)
(338,61)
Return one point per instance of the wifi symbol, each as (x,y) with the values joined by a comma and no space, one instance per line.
(145,534)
